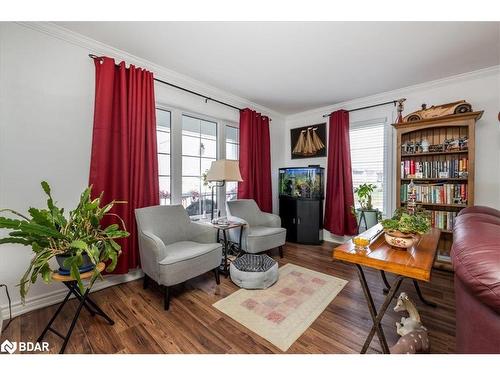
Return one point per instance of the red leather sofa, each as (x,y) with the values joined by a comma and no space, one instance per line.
(475,256)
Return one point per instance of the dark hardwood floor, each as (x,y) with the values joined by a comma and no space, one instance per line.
(193,326)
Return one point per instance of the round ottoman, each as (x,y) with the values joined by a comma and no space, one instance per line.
(252,271)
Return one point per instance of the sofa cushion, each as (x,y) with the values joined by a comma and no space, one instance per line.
(476,255)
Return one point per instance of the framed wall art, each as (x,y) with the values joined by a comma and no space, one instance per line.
(308,141)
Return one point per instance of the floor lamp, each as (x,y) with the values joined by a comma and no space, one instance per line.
(220,172)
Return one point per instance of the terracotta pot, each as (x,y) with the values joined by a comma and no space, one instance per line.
(400,240)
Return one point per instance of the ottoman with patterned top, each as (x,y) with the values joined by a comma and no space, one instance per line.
(252,271)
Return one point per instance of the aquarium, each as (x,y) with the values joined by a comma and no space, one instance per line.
(302,182)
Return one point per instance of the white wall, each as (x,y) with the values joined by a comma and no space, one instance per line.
(46,112)
(480,88)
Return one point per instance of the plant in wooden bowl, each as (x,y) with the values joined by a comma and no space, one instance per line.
(404,228)
(77,241)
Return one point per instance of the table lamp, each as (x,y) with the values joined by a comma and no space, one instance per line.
(221,171)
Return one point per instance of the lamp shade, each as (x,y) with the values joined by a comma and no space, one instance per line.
(224,170)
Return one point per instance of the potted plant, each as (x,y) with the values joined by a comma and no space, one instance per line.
(403,229)
(77,240)
(366,213)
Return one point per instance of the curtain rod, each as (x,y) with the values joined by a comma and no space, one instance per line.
(395,102)
(207,98)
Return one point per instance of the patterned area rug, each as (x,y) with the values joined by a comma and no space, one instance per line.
(281,313)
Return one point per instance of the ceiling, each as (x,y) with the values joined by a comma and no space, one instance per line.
(291,67)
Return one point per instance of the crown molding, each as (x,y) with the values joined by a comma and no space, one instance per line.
(396,94)
(99,48)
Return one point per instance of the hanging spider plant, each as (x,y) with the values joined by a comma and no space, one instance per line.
(74,238)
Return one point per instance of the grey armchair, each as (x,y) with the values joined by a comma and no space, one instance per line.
(173,249)
(262,231)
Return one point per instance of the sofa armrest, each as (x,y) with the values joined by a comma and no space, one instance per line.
(270,220)
(202,233)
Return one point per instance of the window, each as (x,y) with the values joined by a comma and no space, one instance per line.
(232,153)
(163,122)
(367,158)
(199,149)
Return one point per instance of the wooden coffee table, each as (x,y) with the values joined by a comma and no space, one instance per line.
(414,263)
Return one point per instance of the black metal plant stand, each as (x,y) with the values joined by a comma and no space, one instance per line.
(85,301)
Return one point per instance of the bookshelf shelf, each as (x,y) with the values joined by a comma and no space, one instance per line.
(439,204)
(424,154)
(436,179)
(453,163)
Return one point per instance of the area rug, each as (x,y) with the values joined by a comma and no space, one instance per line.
(281,313)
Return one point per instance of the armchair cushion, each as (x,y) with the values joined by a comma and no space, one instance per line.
(261,238)
(186,250)
(187,259)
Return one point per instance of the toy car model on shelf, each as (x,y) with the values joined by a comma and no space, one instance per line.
(437,111)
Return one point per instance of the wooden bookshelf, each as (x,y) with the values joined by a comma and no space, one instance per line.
(436,131)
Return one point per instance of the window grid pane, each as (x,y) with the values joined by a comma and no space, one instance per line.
(232,153)
(163,123)
(199,149)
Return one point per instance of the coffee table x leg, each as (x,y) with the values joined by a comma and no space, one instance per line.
(417,288)
(377,316)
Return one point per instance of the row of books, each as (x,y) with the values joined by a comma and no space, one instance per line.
(437,193)
(455,168)
(443,219)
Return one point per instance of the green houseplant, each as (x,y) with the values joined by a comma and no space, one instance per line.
(366,213)
(74,240)
(364,193)
(403,229)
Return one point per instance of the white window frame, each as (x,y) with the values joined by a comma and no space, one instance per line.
(176,150)
(388,189)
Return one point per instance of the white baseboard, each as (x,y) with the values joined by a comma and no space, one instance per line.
(57,296)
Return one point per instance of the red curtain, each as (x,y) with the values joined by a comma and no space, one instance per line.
(124,164)
(339,219)
(255,159)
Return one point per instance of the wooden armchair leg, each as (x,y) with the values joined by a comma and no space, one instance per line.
(281,251)
(166,298)
(145,282)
